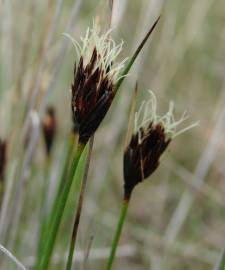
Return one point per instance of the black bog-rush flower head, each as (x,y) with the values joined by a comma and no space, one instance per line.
(3,147)
(95,76)
(152,134)
(49,128)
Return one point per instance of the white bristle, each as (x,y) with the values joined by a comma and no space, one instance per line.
(107,51)
(148,114)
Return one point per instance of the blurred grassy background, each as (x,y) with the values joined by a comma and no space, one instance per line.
(176,219)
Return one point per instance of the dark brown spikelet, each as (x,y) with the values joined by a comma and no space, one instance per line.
(141,156)
(49,128)
(92,95)
(3,150)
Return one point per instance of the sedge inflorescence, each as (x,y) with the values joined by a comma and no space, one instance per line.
(152,134)
(95,76)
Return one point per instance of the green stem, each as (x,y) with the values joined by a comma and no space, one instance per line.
(47,252)
(43,209)
(116,238)
(64,175)
(79,207)
(49,218)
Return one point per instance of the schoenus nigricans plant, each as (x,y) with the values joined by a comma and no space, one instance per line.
(49,128)
(93,90)
(97,77)
(152,135)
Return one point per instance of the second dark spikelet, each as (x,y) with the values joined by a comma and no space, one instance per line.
(49,128)
(3,150)
(141,157)
(93,88)
(150,139)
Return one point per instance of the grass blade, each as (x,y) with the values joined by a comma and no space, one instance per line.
(47,252)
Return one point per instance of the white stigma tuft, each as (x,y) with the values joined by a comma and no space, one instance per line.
(148,114)
(107,51)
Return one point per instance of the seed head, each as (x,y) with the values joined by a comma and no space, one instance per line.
(152,134)
(49,128)
(95,76)
(3,150)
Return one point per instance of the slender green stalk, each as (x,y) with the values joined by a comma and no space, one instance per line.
(52,233)
(79,208)
(117,234)
(49,218)
(43,207)
(64,174)
(221,264)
